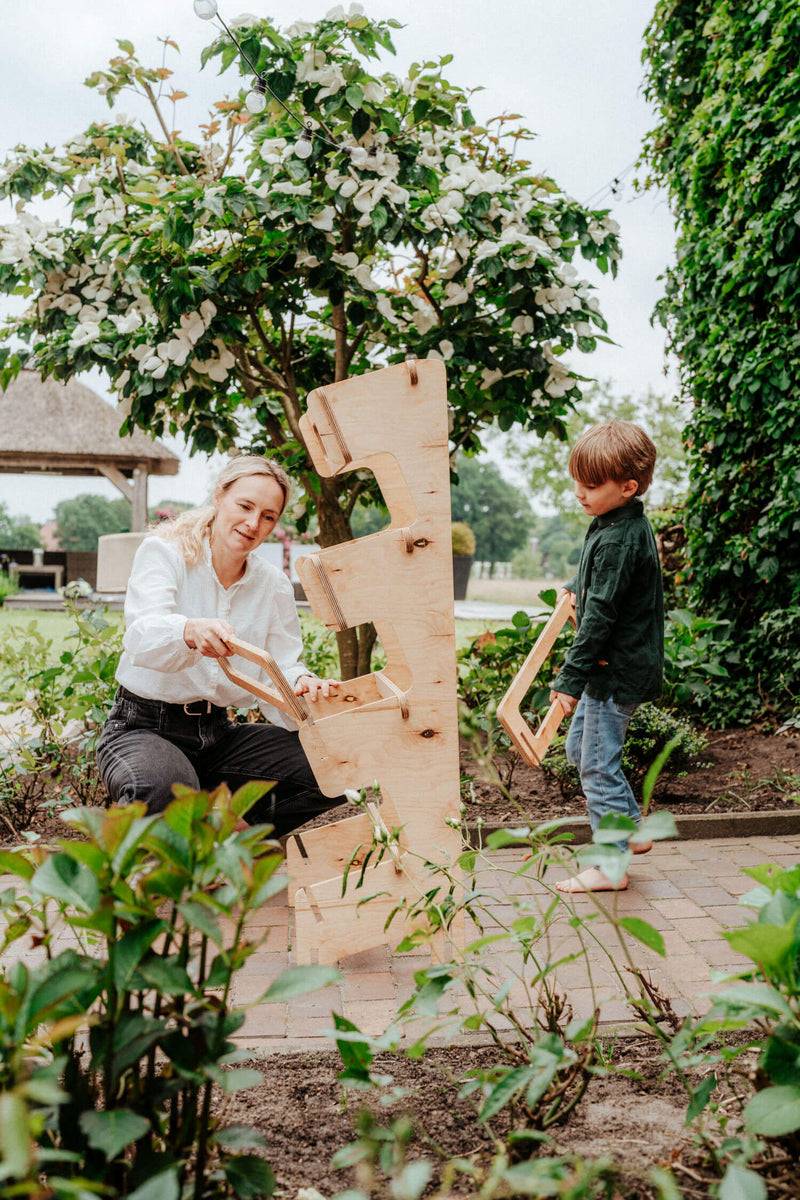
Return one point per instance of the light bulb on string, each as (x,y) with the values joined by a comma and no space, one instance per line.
(256,99)
(304,144)
(206,9)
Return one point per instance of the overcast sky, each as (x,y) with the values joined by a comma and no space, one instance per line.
(572,68)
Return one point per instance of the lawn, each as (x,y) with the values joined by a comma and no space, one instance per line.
(56,626)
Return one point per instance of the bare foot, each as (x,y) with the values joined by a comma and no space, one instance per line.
(592,880)
(639,847)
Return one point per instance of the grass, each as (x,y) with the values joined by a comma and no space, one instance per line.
(524,592)
(56,626)
(53,625)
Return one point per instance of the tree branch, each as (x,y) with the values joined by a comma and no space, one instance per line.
(173,149)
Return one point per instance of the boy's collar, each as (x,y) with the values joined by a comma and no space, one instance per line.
(634,508)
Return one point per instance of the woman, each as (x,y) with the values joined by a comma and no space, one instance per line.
(195,582)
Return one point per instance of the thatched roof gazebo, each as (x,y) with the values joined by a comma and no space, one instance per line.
(67,429)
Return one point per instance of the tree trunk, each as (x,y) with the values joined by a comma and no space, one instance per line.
(355,645)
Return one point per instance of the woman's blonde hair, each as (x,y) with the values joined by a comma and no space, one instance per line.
(617,450)
(190,528)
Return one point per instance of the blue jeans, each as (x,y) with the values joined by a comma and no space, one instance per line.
(147,745)
(594,746)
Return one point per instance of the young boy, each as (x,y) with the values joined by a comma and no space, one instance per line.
(616,660)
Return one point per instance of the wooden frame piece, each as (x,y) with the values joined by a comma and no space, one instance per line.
(533,746)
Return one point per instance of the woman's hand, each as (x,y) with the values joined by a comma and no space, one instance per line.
(208,635)
(313,687)
(568,703)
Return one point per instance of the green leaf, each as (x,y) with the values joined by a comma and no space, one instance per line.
(658,826)
(644,933)
(655,769)
(15,1142)
(199,917)
(232,1081)
(740,1183)
(508,837)
(240,1137)
(700,1097)
(296,981)
(503,1092)
(160,1187)
(766,945)
(62,878)
(250,1177)
(354,96)
(773,1112)
(613,828)
(127,953)
(608,859)
(112,1131)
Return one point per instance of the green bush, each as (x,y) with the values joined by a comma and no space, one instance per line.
(51,760)
(724,83)
(157,908)
(650,731)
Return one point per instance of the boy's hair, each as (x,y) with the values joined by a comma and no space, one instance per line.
(617,450)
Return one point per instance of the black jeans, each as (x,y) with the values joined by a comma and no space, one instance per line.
(148,745)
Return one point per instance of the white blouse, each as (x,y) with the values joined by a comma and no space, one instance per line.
(164,592)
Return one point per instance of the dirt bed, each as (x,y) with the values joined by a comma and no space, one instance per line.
(636,1117)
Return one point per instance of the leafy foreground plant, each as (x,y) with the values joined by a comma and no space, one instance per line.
(749,1117)
(110,1050)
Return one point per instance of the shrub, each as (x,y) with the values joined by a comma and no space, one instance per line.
(651,729)
(463,539)
(157,908)
(51,760)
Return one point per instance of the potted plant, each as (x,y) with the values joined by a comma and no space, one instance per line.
(463,551)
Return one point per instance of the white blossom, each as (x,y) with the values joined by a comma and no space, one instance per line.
(362,274)
(384,307)
(84,333)
(324,219)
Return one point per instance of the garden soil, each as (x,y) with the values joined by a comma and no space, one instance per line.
(740,771)
(633,1114)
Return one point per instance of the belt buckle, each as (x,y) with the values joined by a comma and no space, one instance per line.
(188,705)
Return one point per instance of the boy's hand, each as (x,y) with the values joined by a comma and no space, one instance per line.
(568,703)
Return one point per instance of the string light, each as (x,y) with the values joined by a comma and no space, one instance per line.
(304,144)
(256,99)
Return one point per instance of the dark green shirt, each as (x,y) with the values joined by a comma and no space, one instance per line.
(618,649)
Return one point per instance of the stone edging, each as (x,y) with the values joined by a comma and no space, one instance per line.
(693,827)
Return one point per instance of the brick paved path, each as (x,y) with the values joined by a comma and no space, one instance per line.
(689,891)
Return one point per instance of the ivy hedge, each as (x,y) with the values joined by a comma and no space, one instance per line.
(723,77)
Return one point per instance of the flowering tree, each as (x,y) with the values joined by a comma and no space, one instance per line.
(217,281)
